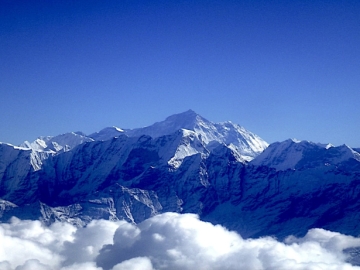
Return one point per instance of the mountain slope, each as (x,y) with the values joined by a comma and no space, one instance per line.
(114,173)
(247,144)
(185,164)
(16,167)
(277,202)
(55,144)
(292,154)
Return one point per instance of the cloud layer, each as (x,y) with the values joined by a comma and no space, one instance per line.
(167,241)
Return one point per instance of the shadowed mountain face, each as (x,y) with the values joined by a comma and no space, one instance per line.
(183,164)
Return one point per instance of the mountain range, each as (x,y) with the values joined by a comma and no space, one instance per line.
(186,164)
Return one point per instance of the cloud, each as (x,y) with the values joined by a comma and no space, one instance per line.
(166,241)
(88,241)
(28,243)
(138,263)
(174,241)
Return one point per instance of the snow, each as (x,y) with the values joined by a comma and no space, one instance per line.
(295,140)
(245,143)
(54,144)
(198,168)
(118,129)
(83,164)
(14,146)
(189,145)
(342,153)
(290,153)
(281,156)
(106,133)
(325,145)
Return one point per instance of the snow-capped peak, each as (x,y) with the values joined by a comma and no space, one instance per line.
(244,142)
(292,154)
(63,142)
(281,155)
(187,120)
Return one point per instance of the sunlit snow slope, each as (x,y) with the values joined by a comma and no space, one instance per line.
(185,164)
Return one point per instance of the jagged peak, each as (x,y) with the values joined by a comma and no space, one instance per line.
(244,142)
(55,144)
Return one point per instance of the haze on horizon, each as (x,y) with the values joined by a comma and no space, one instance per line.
(281,69)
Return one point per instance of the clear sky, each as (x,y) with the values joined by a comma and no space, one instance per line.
(282,69)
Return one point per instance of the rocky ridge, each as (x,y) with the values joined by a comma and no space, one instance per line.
(183,164)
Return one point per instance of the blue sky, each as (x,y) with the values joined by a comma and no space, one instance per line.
(282,69)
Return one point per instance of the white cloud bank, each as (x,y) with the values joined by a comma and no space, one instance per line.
(167,241)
